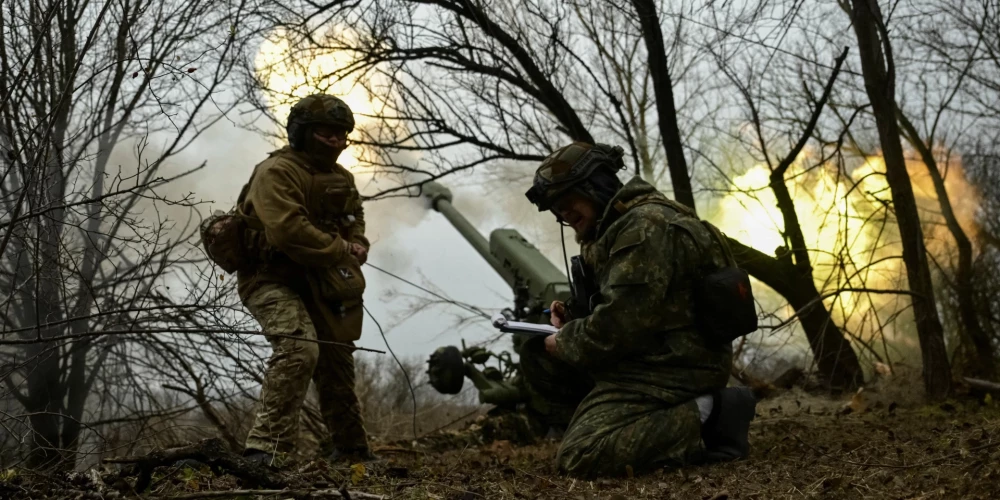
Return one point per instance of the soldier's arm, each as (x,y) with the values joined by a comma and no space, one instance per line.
(632,317)
(278,198)
(357,229)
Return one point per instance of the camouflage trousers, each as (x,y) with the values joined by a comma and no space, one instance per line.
(615,429)
(553,388)
(289,327)
(611,428)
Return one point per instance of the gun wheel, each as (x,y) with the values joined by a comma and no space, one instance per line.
(446,370)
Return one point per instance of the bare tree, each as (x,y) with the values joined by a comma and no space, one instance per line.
(875,50)
(86,247)
(476,82)
(957,44)
(659,71)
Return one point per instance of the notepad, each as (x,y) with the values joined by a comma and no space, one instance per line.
(501,323)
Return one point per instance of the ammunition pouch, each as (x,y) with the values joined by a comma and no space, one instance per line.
(724,304)
(343,318)
(343,283)
(225,235)
(222,236)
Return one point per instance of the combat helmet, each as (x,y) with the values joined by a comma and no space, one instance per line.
(317,109)
(567,167)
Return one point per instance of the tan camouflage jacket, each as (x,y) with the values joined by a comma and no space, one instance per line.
(642,336)
(310,216)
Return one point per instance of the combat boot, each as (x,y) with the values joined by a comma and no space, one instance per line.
(726,431)
(258,457)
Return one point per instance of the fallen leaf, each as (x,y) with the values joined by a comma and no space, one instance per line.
(857,404)
(882,369)
(191,70)
(357,473)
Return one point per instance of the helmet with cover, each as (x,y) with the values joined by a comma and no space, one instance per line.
(317,109)
(569,167)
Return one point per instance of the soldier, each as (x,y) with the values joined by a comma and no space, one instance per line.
(659,395)
(308,232)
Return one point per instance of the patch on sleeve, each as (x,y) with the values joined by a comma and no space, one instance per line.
(628,239)
(628,269)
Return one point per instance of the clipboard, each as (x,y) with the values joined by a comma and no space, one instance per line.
(500,322)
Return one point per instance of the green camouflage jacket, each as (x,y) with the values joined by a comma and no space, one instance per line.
(642,337)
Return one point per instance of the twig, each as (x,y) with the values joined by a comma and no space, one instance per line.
(925,462)
(894,466)
(536,476)
(406,375)
(324,493)
(211,452)
(459,419)
(982,384)
(194,331)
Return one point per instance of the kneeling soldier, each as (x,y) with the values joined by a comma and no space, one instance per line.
(659,395)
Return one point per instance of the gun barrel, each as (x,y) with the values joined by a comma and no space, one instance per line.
(516,260)
(440,198)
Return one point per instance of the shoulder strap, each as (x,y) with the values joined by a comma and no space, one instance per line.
(251,221)
(721,238)
(715,233)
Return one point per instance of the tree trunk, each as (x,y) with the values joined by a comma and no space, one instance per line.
(983,362)
(665,108)
(879,75)
(836,361)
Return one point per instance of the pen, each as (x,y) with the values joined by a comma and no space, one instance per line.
(546,311)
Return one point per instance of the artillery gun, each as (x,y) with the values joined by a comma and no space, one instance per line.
(535,281)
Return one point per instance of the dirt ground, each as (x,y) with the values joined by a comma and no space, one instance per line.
(803,446)
(863,446)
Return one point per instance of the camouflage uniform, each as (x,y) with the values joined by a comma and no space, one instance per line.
(310,213)
(551,387)
(640,344)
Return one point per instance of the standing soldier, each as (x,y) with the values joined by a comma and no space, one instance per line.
(308,236)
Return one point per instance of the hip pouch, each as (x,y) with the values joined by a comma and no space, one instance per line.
(342,282)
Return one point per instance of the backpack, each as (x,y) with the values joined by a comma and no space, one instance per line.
(224,234)
(723,298)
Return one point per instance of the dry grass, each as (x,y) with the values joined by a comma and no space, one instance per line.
(874,445)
